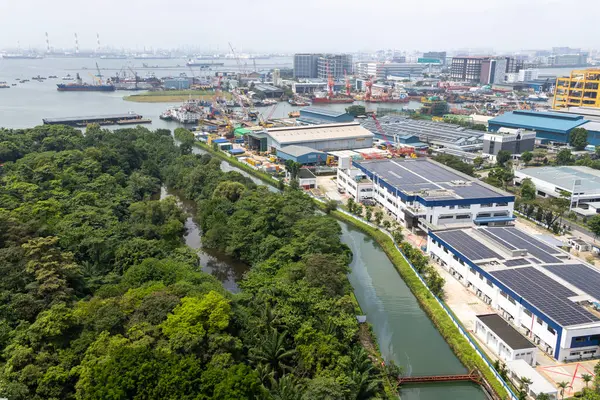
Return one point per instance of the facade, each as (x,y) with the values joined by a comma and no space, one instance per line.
(582,183)
(305,65)
(551,126)
(581,88)
(321,115)
(538,289)
(567,60)
(306,179)
(485,69)
(338,64)
(504,340)
(439,55)
(302,155)
(177,83)
(276,77)
(466,68)
(308,87)
(382,70)
(270,91)
(528,74)
(326,137)
(424,194)
(516,141)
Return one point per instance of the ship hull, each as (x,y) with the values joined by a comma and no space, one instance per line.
(325,100)
(85,88)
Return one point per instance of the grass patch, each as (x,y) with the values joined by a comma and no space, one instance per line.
(459,345)
(237,163)
(169,96)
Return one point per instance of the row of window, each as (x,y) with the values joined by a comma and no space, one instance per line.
(468,206)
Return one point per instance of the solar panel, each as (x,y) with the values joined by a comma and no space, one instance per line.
(491,235)
(516,262)
(544,293)
(521,241)
(468,246)
(581,276)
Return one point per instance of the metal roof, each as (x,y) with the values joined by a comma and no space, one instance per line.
(328,112)
(298,151)
(317,133)
(430,180)
(565,176)
(267,88)
(506,332)
(539,121)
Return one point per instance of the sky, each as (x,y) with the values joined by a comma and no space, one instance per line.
(302,25)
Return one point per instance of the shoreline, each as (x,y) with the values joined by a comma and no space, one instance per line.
(173,96)
(445,325)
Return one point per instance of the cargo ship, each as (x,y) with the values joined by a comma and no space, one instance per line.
(79,86)
(192,63)
(21,56)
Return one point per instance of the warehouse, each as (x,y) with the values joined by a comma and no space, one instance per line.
(320,115)
(425,194)
(551,126)
(582,183)
(537,288)
(270,91)
(303,155)
(327,137)
(437,134)
(504,340)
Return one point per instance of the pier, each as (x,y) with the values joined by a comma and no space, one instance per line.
(471,377)
(110,119)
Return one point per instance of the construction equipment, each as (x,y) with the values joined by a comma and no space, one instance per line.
(369,89)
(330,83)
(99,74)
(348,87)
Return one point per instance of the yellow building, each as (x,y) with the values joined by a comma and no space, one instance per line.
(581,89)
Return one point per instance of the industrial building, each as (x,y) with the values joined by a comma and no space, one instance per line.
(327,137)
(484,69)
(515,141)
(301,154)
(322,115)
(381,70)
(437,55)
(550,126)
(504,340)
(270,91)
(425,194)
(582,183)
(581,88)
(336,65)
(538,288)
(568,60)
(305,65)
(437,134)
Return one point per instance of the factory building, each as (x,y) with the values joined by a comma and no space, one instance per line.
(301,154)
(305,65)
(581,88)
(551,126)
(327,137)
(504,340)
(583,184)
(436,134)
(336,65)
(424,194)
(515,141)
(381,70)
(322,115)
(537,288)
(270,91)
(483,69)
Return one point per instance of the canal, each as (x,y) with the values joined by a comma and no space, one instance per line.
(404,332)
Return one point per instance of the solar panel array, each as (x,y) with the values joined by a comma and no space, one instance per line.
(468,246)
(516,262)
(491,235)
(545,294)
(581,276)
(520,240)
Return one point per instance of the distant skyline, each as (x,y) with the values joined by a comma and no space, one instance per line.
(306,26)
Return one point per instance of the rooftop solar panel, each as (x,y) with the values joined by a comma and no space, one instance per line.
(516,262)
(491,235)
(581,276)
(522,241)
(545,294)
(468,246)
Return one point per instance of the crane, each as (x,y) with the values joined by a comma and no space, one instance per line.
(237,60)
(369,90)
(99,74)
(347,84)
(390,147)
(330,83)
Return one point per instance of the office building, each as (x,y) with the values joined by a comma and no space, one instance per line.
(581,183)
(276,77)
(338,66)
(536,287)
(528,74)
(515,141)
(484,69)
(467,68)
(424,194)
(567,60)
(305,65)
(381,71)
(438,55)
(565,50)
(581,88)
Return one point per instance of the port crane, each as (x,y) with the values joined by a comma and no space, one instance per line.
(394,152)
(369,89)
(330,83)
(348,92)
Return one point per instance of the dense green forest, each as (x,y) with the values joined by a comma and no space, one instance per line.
(101,299)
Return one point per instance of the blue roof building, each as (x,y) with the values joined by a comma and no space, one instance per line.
(547,125)
(302,154)
(320,115)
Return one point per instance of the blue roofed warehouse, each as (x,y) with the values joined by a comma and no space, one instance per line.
(320,115)
(302,154)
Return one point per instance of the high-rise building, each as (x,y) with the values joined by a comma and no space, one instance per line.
(568,59)
(305,65)
(276,77)
(440,55)
(581,88)
(484,69)
(380,70)
(528,74)
(337,64)
(467,68)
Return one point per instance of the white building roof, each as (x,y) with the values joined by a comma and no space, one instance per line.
(318,133)
(539,384)
(565,176)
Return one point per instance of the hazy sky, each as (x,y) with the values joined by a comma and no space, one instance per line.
(303,25)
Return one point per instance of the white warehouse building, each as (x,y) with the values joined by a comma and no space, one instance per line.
(544,294)
(425,194)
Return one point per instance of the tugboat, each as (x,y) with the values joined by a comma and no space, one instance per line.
(52,77)
(68,78)
(3,85)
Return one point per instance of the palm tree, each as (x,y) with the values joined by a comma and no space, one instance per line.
(287,388)
(543,396)
(273,353)
(563,385)
(365,385)
(360,360)
(525,381)
(587,378)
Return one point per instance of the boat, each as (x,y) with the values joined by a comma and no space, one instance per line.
(332,100)
(38,78)
(538,97)
(166,116)
(4,86)
(190,112)
(24,80)
(68,78)
(134,121)
(52,77)
(298,103)
(294,114)
(192,63)
(21,56)
(79,86)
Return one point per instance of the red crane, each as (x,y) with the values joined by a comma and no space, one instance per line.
(330,83)
(368,92)
(347,84)
(393,150)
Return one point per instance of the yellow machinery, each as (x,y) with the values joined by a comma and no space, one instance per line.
(580,89)
(330,160)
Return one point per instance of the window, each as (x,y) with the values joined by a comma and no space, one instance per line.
(527,312)
(503,294)
(488,205)
(464,206)
(580,339)
(484,215)
(461,262)
(473,271)
(463,216)
(434,241)
(589,352)
(451,207)
(480,276)
(512,300)
(501,204)
(489,283)
(551,330)
(455,258)
(446,217)
(538,320)
(445,250)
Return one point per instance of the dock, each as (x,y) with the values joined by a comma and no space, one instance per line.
(110,119)
(471,377)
